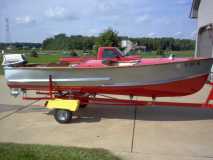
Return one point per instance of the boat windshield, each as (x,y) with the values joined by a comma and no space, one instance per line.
(120,52)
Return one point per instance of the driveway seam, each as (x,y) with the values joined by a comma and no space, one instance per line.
(133,129)
(18,110)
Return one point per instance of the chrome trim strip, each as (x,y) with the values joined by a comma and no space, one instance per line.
(60,80)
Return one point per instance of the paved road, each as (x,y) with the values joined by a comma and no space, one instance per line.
(130,132)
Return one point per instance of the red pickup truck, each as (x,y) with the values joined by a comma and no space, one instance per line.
(104,53)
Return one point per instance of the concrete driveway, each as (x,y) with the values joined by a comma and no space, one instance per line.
(130,132)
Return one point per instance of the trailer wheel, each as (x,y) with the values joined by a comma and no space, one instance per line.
(63,116)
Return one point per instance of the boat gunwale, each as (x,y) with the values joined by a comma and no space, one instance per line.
(109,67)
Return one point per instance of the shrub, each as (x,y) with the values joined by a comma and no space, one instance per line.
(34,54)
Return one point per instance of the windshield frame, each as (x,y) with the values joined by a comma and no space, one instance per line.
(120,52)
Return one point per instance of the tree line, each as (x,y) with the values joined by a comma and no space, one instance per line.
(110,38)
(165,43)
(64,42)
(107,38)
(20,45)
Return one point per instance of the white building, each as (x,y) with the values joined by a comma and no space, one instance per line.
(129,45)
(202,10)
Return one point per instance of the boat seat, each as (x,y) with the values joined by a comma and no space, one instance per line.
(120,63)
(131,63)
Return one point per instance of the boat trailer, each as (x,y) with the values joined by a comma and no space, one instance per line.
(64,103)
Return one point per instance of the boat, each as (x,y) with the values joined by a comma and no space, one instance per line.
(153,77)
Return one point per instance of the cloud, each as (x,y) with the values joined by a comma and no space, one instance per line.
(55,12)
(105,6)
(143,18)
(178,34)
(151,34)
(59,13)
(25,20)
(93,32)
(183,2)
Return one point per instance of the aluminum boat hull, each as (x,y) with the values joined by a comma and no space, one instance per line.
(173,78)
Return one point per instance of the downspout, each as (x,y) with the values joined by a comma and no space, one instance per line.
(196,44)
(210,32)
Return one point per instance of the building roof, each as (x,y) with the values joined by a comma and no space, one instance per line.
(194,9)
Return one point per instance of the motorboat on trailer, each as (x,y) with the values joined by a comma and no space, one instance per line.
(153,77)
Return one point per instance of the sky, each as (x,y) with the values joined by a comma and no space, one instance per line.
(36,20)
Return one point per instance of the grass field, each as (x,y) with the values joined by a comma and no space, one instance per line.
(166,54)
(54,57)
(10,151)
(46,58)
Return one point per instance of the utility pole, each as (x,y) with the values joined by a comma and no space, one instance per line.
(7,31)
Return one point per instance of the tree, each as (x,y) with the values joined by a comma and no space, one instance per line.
(159,52)
(109,38)
(34,54)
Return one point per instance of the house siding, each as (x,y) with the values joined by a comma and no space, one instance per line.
(205,13)
(204,45)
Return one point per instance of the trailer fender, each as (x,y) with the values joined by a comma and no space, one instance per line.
(71,105)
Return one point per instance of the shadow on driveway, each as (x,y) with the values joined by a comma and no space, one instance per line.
(95,113)
(6,108)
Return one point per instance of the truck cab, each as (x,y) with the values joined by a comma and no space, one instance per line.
(104,53)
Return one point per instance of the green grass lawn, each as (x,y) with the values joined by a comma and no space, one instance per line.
(166,54)
(46,58)
(10,151)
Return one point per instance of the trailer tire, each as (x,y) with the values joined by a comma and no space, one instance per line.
(63,116)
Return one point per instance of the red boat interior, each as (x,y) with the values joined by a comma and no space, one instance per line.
(114,63)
